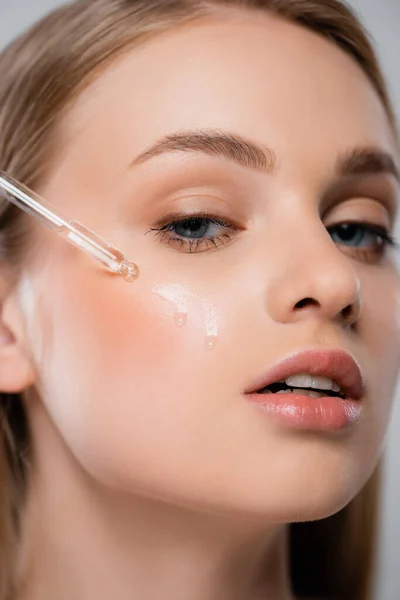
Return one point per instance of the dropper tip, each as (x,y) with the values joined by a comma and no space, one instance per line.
(129,270)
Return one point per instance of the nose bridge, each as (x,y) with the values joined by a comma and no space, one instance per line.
(310,274)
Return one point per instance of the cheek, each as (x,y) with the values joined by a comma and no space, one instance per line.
(117,337)
(119,381)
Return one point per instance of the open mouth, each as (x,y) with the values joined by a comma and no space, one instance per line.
(331,374)
(316,387)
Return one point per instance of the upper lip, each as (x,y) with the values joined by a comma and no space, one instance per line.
(336,364)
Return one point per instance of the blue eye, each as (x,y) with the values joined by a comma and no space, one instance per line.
(202,232)
(196,233)
(197,228)
(363,236)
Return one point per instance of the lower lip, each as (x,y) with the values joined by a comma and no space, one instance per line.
(304,412)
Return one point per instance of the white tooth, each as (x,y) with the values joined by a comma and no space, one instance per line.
(312,381)
(265,391)
(301,391)
(308,393)
(322,383)
(301,380)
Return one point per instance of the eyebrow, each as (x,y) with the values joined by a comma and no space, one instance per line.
(366,161)
(214,143)
(357,161)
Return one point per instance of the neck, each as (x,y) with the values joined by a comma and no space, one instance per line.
(91,542)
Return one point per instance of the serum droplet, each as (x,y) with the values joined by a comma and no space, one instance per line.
(180,318)
(211,341)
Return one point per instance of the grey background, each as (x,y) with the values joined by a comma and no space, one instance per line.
(382,17)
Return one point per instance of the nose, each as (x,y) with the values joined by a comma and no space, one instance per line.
(315,279)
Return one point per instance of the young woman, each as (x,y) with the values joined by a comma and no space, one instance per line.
(210,430)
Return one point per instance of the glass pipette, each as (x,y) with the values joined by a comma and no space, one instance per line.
(73,231)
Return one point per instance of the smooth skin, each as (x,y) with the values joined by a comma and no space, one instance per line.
(153,477)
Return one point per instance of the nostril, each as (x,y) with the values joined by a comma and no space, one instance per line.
(348,317)
(305,302)
(346,312)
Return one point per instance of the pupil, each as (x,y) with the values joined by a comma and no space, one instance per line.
(349,232)
(194,228)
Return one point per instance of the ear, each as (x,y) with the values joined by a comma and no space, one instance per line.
(17,372)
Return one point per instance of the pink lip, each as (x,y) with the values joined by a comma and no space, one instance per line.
(303,412)
(336,364)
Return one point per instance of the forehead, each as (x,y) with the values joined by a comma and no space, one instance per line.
(258,75)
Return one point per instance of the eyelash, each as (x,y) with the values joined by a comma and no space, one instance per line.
(369,254)
(167,234)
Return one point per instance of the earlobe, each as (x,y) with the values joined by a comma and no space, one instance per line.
(16,373)
(16,369)
(6,336)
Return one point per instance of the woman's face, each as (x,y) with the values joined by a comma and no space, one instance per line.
(145,381)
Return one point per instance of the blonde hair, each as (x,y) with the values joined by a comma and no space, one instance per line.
(41,73)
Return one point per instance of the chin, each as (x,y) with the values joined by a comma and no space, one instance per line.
(312,505)
(301,495)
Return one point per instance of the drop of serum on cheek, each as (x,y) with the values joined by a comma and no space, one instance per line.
(180,318)
(211,342)
(212,325)
(181,298)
